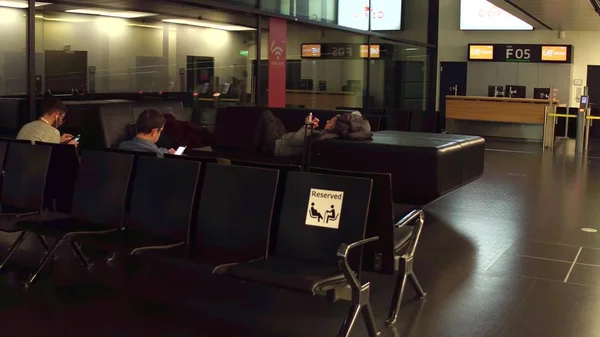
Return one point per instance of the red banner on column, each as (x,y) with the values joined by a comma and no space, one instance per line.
(277,65)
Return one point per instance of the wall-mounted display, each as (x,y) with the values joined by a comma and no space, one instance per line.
(384,14)
(554,53)
(481,52)
(483,15)
(375,51)
(345,50)
(531,53)
(311,50)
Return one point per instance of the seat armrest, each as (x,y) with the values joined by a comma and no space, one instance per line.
(410,217)
(21,215)
(343,253)
(417,216)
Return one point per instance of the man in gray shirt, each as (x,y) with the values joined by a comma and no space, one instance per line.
(45,129)
(149,126)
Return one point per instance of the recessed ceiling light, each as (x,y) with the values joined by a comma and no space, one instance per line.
(21,4)
(208,24)
(114,14)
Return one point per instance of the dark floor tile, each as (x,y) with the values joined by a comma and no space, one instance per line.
(577,237)
(586,275)
(555,309)
(530,267)
(488,300)
(544,250)
(589,256)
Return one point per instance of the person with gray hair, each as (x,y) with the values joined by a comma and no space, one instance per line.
(273,139)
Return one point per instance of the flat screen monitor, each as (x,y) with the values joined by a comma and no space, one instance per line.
(515,91)
(384,14)
(483,15)
(481,52)
(306,84)
(554,53)
(375,51)
(311,50)
(541,93)
(495,91)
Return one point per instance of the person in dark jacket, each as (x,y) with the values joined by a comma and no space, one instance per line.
(273,139)
(149,126)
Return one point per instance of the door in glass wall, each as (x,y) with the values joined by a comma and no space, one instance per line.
(398,84)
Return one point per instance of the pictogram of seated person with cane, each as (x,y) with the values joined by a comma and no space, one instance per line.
(331,214)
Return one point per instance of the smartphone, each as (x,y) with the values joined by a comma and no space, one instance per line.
(180,150)
(77,138)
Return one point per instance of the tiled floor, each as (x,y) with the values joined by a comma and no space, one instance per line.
(503,256)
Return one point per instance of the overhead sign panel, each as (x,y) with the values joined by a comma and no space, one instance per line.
(384,14)
(311,50)
(374,51)
(554,53)
(525,53)
(483,15)
(481,52)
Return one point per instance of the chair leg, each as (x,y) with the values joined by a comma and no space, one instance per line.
(417,285)
(13,248)
(84,260)
(45,259)
(349,321)
(46,245)
(367,312)
(397,299)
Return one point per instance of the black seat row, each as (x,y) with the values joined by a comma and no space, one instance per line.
(216,215)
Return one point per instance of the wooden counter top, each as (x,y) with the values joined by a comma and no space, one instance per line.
(496,109)
(317,92)
(499,99)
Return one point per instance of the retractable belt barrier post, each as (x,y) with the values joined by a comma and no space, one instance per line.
(584,121)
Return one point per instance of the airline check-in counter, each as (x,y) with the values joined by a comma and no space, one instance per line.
(539,77)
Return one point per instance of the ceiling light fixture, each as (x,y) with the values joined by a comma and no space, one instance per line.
(144,26)
(110,13)
(21,4)
(209,24)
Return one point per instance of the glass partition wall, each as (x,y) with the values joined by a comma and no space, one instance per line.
(330,61)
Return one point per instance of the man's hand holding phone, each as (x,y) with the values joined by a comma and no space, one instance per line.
(66,137)
(315,121)
(69,139)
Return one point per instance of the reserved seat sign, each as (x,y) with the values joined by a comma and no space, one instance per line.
(324,208)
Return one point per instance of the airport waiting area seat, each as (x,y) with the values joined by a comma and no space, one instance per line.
(315,268)
(397,240)
(424,166)
(316,249)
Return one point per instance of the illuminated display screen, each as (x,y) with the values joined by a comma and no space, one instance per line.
(554,53)
(375,51)
(483,15)
(481,52)
(311,50)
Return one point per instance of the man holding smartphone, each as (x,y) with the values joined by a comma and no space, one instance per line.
(149,126)
(45,129)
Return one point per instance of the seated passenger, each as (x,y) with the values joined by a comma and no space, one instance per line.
(149,126)
(45,129)
(272,138)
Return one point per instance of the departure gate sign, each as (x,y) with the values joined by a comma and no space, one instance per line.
(523,53)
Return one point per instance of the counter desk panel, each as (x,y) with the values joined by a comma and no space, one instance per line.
(496,109)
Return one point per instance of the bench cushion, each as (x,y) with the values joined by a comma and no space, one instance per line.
(288,273)
(424,166)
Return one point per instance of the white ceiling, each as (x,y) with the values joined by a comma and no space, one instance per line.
(554,14)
